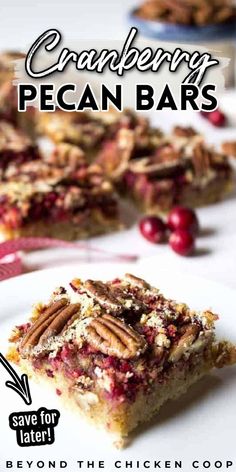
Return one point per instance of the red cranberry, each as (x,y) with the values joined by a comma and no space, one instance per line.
(217,118)
(183,218)
(182,242)
(153,229)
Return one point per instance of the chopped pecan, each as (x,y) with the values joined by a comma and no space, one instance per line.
(113,337)
(224,353)
(181,346)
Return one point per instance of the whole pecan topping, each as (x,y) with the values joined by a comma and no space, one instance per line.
(51,323)
(133,280)
(229,148)
(103,294)
(60,322)
(113,337)
(184,131)
(201,160)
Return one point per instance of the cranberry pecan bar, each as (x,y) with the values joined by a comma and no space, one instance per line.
(15,147)
(159,171)
(68,200)
(117,351)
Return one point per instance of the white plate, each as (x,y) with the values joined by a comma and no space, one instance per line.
(200,426)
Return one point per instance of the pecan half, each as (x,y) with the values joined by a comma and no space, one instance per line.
(229,148)
(125,147)
(51,323)
(181,346)
(103,294)
(201,160)
(184,131)
(133,280)
(113,337)
(60,322)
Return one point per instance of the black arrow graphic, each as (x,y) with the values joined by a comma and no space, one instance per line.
(20,384)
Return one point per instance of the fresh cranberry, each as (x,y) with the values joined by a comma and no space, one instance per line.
(153,229)
(217,118)
(58,392)
(182,242)
(183,218)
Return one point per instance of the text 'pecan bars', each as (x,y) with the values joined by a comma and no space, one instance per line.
(118,350)
(63,199)
(159,171)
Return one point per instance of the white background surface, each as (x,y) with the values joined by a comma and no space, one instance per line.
(20,23)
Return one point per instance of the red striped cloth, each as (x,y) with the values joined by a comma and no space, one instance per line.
(11,262)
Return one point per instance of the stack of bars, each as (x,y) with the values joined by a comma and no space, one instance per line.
(117,351)
(75,191)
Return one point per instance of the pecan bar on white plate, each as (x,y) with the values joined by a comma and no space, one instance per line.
(117,351)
